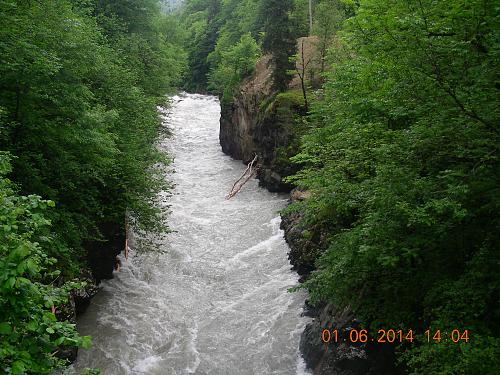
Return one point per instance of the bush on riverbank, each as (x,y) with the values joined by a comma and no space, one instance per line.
(79,84)
(404,175)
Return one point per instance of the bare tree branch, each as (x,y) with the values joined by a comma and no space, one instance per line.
(247,175)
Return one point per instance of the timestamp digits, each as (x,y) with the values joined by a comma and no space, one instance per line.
(392,336)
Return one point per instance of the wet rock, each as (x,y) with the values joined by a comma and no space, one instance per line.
(343,357)
(260,121)
(101,254)
(305,244)
(78,301)
(82,297)
(100,257)
(312,310)
(239,118)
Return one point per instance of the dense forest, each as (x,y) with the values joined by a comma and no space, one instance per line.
(79,84)
(400,156)
(399,147)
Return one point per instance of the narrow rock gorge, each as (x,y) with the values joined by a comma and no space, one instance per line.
(264,123)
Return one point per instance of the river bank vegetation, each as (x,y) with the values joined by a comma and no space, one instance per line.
(398,153)
(400,157)
(79,84)
(402,162)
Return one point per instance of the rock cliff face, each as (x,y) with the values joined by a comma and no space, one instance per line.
(239,119)
(101,255)
(261,122)
(306,244)
(341,358)
(100,258)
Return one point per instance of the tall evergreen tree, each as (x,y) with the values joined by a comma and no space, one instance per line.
(202,41)
(278,38)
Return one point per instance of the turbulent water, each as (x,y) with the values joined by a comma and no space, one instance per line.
(215,301)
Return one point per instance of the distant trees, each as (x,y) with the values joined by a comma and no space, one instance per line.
(236,63)
(310,16)
(328,20)
(204,23)
(216,27)
(278,38)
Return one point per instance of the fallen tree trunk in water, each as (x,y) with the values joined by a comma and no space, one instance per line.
(247,175)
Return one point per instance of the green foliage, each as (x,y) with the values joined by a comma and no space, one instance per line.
(403,167)
(278,39)
(329,16)
(79,81)
(29,331)
(216,27)
(202,19)
(236,63)
(139,33)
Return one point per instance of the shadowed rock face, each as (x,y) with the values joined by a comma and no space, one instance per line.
(237,141)
(260,121)
(78,301)
(239,119)
(304,249)
(342,358)
(101,255)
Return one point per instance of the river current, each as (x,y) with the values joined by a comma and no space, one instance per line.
(215,300)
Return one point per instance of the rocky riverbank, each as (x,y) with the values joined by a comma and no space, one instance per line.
(261,122)
(99,263)
(341,358)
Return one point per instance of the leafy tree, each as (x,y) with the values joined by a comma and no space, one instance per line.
(236,63)
(79,82)
(328,20)
(238,19)
(404,170)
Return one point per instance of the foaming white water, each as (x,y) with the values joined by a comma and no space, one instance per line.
(215,300)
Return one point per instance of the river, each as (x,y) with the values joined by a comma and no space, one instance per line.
(215,300)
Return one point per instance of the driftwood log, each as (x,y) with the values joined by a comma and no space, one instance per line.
(250,171)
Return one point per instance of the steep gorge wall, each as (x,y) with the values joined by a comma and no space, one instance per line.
(342,357)
(262,122)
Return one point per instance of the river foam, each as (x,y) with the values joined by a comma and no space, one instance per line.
(215,301)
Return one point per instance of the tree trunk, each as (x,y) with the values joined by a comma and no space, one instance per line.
(310,18)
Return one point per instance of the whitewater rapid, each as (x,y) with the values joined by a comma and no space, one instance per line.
(214,300)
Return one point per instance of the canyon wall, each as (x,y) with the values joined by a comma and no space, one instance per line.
(264,123)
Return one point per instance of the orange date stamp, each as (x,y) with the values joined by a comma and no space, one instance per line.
(392,336)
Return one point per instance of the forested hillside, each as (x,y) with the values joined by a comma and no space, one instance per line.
(403,166)
(79,84)
(399,157)
(382,115)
